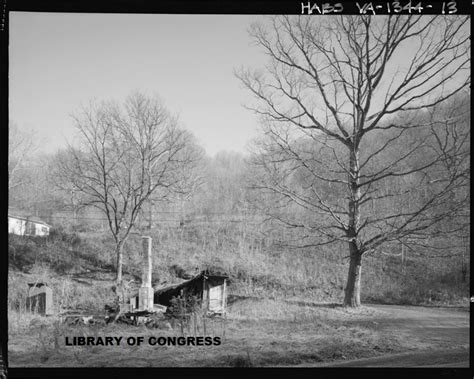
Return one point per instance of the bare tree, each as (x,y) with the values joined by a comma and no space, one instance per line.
(350,107)
(189,180)
(20,146)
(62,187)
(125,155)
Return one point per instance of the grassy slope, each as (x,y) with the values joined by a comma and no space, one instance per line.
(272,315)
(80,268)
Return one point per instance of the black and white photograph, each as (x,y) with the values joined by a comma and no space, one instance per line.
(239,190)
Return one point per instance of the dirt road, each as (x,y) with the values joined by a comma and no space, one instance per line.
(434,337)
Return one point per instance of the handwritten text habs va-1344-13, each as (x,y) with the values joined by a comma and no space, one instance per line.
(373,8)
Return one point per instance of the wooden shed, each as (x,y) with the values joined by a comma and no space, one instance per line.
(40,298)
(210,288)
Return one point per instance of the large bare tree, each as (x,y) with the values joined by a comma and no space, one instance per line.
(355,126)
(125,154)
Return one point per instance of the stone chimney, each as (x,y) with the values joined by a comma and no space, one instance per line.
(145,292)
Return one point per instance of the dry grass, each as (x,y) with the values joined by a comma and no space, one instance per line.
(256,268)
(285,311)
(255,333)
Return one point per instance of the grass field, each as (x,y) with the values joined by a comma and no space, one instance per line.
(254,333)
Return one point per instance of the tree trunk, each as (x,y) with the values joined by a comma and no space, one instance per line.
(119,255)
(352,291)
(150,215)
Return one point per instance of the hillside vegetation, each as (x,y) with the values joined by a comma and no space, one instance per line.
(283,305)
(80,268)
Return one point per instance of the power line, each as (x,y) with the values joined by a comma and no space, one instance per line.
(158,220)
(147,219)
(180,213)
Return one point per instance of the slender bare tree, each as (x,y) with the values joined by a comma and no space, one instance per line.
(351,109)
(20,147)
(189,179)
(125,154)
(62,187)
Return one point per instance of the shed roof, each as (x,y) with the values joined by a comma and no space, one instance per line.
(178,286)
(204,273)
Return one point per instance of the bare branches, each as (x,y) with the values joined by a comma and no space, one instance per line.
(358,115)
(20,146)
(125,155)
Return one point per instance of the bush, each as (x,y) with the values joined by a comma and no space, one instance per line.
(59,234)
(182,307)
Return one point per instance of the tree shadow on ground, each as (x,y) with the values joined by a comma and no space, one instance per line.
(312,304)
(232,299)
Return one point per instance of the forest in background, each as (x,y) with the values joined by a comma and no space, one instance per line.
(362,158)
(219,226)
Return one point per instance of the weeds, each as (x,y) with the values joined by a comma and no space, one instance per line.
(276,294)
(255,267)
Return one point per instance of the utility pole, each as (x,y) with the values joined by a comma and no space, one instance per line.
(73,201)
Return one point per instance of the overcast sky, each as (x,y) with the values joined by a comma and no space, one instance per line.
(60,60)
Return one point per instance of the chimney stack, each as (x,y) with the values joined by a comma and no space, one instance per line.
(145,293)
